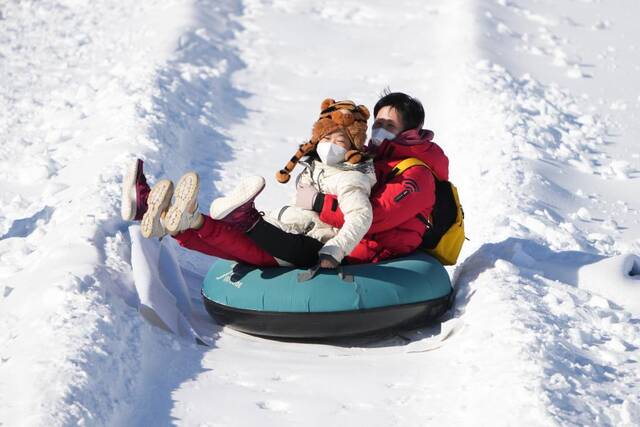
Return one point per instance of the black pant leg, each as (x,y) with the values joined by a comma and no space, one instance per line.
(298,249)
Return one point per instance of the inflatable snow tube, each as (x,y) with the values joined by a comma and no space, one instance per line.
(364,298)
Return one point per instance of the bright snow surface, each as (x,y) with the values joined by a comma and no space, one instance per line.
(536,104)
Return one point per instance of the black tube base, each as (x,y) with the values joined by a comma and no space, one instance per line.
(327,324)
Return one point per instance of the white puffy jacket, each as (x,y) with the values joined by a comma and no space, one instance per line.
(352,186)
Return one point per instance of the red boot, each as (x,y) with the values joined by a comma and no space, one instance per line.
(135,192)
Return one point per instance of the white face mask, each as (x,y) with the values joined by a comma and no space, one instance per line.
(380,134)
(330,154)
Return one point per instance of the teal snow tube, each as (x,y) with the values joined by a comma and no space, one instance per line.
(363,298)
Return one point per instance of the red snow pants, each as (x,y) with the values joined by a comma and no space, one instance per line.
(218,239)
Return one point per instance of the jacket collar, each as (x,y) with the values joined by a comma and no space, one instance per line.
(407,144)
(415,143)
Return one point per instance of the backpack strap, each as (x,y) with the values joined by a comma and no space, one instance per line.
(406,164)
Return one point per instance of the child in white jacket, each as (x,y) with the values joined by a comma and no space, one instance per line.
(351,183)
(335,166)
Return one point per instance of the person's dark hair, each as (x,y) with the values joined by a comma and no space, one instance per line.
(410,109)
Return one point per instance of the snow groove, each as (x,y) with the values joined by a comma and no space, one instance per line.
(579,349)
(70,336)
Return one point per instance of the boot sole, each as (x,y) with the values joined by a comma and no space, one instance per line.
(158,201)
(247,190)
(128,202)
(186,191)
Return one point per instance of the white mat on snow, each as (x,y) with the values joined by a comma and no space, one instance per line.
(161,287)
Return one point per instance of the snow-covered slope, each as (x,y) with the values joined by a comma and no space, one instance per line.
(76,77)
(535,103)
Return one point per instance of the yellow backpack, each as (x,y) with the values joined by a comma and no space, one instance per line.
(445,226)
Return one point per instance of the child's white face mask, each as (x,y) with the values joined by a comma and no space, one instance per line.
(330,154)
(380,134)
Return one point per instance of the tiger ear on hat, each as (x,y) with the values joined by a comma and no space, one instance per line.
(364,111)
(342,117)
(326,103)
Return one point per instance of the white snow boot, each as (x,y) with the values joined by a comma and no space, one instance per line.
(183,213)
(237,209)
(158,202)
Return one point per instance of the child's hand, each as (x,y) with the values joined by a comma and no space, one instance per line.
(305,196)
(327,261)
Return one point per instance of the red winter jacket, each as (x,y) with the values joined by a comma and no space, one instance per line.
(396,230)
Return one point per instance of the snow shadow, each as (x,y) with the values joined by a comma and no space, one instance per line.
(169,362)
(196,100)
(528,259)
(531,259)
(402,339)
(25,226)
(194,103)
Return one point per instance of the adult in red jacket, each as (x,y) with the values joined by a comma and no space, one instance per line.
(399,202)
